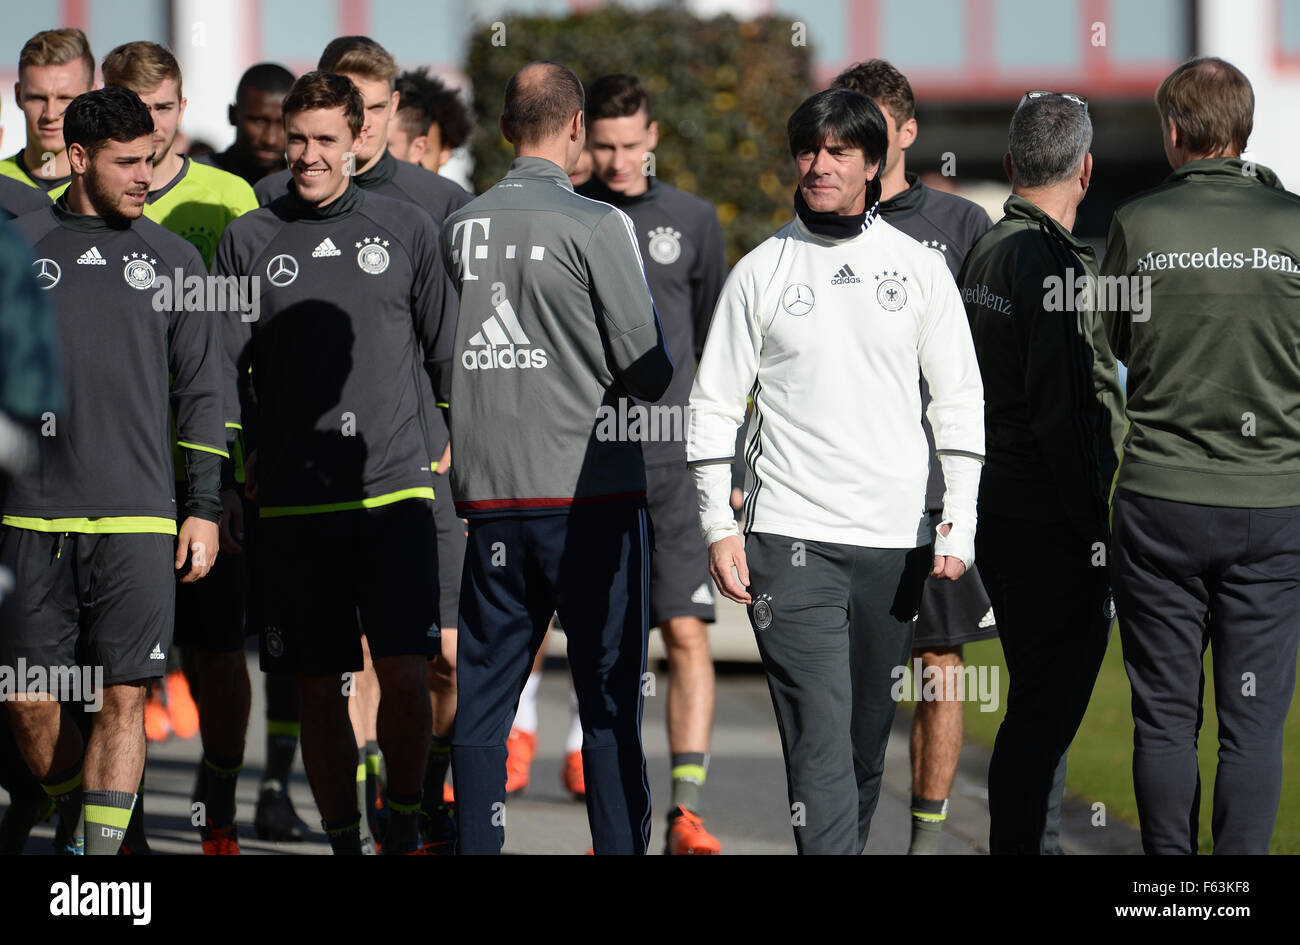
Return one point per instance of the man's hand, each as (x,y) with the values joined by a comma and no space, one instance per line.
(725,554)
(737,500)
(232,522)
(250,476)
(198,542)
(444,462)
(946,566)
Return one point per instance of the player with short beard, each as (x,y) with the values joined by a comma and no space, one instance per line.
(109,524)
(197,202)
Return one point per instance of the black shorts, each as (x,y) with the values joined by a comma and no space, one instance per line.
(210,612)
(953,612)
(90,600)
(330,577)
(679,567)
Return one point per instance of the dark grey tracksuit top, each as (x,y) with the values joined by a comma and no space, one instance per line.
(686,266)
(437,195)
(347,353)
(556,321)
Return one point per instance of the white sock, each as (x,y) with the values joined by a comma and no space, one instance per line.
(574,742)
(526,715)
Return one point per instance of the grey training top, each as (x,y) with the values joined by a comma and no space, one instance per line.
(556,325)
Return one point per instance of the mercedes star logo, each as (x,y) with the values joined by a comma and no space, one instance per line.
(48,273)
(282,270)
(798,299)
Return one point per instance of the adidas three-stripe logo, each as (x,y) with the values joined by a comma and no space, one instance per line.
(326,247)
(844,276)
(91,257)
(501,343)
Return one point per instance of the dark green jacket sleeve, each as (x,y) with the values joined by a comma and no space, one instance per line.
(1057,361)
(1119,326)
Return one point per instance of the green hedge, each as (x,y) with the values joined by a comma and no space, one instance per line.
(721,90)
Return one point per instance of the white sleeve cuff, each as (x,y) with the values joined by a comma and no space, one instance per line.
(961,476)
(713,490)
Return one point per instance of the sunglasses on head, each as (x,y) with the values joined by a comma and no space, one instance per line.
(1039,93)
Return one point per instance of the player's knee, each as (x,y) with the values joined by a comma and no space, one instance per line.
(940,656)
(403,677)
(689,635)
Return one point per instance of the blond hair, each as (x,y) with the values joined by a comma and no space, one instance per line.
(141,67)
(57,47)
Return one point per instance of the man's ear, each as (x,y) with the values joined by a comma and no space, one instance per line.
(505,132)
(1009,168)
(907,134)
(417,147)
(78,159)
(230,116)
(873,170)
(653,136)
(577,125)
(1085,176)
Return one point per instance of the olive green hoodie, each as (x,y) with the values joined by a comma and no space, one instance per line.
(1213,352)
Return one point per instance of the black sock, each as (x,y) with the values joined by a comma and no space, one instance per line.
(281,745)
(345,836)
(64,789)
(107,815)
(689,769)
(370,758)
(220,776)
(403,823)
(435,771)
(367,836)
(135,841)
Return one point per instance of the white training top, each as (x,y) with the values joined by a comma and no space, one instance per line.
(832,337)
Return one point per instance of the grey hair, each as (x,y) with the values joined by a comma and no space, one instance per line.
(1049,137)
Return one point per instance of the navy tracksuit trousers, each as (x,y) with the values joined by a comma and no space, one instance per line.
(591,565)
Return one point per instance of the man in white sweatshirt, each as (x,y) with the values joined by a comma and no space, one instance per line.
(830,323)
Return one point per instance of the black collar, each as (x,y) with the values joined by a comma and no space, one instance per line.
(87,222)
(907,201)
(838,226)
(383,171)
(340,206)
(595,189)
